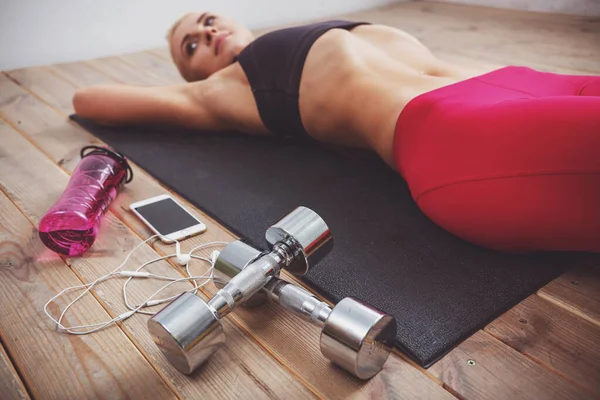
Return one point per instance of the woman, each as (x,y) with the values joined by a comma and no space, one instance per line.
(507,159)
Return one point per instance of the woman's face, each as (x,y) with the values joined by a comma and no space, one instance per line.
(203,44)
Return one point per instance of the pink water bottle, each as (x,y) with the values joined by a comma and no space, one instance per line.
(71,225)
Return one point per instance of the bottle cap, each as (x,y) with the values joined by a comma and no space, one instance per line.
(111,153)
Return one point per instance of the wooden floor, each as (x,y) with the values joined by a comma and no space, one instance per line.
(547,347)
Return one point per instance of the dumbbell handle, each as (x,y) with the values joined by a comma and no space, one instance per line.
(298,301)
(249,281)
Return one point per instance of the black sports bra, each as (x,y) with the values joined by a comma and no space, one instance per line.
(273,64)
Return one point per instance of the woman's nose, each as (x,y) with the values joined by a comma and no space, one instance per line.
(209,33)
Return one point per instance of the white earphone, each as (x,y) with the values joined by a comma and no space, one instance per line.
(183,259)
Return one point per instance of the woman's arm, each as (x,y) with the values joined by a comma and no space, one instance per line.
(187,105)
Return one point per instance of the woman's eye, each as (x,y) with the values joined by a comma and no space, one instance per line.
(190,48)
(209,21)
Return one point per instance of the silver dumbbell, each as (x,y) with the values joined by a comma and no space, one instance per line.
(188,331)
(354,335)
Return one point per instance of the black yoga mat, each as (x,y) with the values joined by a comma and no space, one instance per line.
(386,252)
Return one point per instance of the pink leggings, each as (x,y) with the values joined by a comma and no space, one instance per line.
(509,160)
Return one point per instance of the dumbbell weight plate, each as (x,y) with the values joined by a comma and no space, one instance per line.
(306,234)
(359,337)
(233,259)
(177,327)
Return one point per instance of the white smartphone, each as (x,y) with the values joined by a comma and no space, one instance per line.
(167,218)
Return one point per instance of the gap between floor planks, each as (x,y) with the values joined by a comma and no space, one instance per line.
(11,385)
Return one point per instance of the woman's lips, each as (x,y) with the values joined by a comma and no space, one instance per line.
(218,43)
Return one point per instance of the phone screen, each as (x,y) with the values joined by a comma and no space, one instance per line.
(166,216)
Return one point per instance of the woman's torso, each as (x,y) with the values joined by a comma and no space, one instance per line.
(354,101)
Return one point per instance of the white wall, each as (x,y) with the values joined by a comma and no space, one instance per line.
(587,8)
(38,32)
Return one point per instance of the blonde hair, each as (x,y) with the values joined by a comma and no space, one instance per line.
(169,36)
(177,22)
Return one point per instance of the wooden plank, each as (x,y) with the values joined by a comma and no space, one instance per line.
(578,291)
(27,174)
(307,363)
(574,7)
(39,80)
(11,386)
(485,368)
(120,71)
(56,365)
(79,74)
(151,63)
(162,52)
(555,338)
(40,122)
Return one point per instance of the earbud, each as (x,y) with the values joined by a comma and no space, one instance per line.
(214,255)
(182,259)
